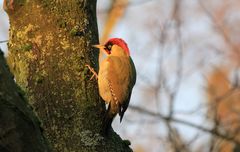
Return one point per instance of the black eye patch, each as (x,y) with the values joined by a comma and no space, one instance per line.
(108,46)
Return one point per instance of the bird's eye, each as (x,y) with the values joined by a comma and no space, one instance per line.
(108,46)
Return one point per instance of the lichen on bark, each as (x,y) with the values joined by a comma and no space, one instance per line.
(50,44)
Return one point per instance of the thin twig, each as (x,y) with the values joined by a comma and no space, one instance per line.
(187,123)
(4,41)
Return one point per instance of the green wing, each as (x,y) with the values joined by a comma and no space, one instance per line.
(132,82)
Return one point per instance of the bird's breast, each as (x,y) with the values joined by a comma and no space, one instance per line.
(113,79)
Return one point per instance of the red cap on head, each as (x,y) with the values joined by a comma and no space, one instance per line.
(121,43)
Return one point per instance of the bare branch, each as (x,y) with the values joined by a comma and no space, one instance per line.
(4,41)
(227,137)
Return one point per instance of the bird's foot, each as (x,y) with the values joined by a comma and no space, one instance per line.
(8,5)
(92,70)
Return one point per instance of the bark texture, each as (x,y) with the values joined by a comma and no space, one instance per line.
(50,44)
(19,127)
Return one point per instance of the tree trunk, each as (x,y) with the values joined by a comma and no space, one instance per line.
(50,44)
(19,127)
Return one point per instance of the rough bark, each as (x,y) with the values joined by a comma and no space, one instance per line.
(19,127)
(50,44)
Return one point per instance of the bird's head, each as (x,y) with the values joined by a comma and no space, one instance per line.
(114,46)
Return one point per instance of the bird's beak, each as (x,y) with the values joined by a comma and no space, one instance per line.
(102,48)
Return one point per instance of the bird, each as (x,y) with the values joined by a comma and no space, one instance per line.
(116,79)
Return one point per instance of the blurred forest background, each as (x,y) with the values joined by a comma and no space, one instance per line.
(187,55)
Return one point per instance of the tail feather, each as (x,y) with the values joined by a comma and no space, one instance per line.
(108,119)
(107,124)
(124,107)
(121,114)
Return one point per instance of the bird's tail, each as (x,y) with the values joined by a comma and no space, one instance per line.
(107,122)
(121,114)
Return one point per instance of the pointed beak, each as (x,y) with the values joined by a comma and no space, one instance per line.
(102,48)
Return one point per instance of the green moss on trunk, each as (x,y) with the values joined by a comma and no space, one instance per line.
(50,44)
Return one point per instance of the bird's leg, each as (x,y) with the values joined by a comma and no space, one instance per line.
(8,4)
(11,4)
(92,70)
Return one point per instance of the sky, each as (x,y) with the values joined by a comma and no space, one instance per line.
(4,26)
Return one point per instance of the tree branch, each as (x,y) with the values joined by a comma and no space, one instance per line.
(19,128)
(227,137)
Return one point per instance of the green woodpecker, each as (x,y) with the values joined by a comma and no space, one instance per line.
(116,78)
